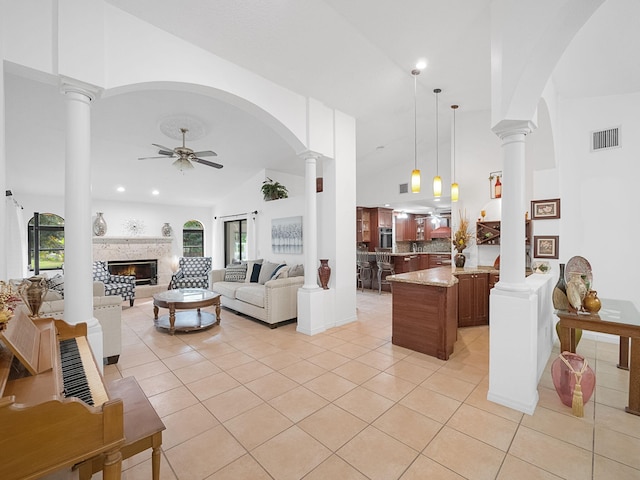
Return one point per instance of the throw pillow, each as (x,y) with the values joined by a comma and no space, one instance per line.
(278,269)
(250,264)
(56,283)
(281,273)
(296,271)
(235,273)
(266,271)
(255,273)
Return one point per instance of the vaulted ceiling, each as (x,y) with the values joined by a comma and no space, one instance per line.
(354,56)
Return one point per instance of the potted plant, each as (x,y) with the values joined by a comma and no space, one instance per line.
(461,239)
(273,190)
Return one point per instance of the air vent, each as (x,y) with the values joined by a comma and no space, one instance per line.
(404,188)
(605,139)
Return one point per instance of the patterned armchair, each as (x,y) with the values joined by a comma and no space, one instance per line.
(193,273)
(123,285)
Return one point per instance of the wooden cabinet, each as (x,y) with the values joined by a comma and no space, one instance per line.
(385,216)
(473,299)
(406,263)
(405,229)
(493,279)
(423,261)
(421,223)
(488,233)
(439,259)
(366,226)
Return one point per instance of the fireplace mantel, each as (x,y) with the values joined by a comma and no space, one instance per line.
(131,240)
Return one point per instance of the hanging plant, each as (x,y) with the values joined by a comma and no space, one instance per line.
(273,190)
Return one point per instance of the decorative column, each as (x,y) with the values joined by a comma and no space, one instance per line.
(512,236)
(3,172)
(310,296)
(78,299)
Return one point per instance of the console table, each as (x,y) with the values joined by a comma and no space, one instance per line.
(616,317)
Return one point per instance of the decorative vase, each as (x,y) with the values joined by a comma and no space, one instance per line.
(99,225)
(576,291)
(574,381)
(32,290)
(591,302)
(560,300)
(166,230)
(459,260)
(324,271)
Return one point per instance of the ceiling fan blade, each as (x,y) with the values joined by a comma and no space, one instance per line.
(206,162)
(163,150)
(205,153)
(152,158)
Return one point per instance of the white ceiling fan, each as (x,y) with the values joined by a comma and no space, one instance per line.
(184,155)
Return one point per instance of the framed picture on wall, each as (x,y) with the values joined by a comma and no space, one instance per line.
(545,246)
(545,209)
(286,235)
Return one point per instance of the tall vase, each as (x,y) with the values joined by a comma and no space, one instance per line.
(99,225)
(324,271)
(560,300)
(459,260)
(32,290)
(166,230)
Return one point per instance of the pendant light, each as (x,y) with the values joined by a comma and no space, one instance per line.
(454,186)
(415,175)
(437,181)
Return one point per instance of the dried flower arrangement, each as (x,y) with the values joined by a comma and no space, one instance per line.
(9,299)
(462,235)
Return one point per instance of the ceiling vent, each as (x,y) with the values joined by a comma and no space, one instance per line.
(605,139)
(404,188)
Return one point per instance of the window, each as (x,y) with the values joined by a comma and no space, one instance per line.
(235,241)
(192,239)
(49,229)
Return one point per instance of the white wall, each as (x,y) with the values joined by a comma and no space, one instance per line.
(599,200)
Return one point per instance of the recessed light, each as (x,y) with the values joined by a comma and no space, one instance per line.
(120,189)
(155,192)
(421,64)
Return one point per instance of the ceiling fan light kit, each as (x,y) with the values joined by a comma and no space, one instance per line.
(184,156)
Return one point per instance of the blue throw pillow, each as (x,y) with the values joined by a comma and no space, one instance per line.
(255,274)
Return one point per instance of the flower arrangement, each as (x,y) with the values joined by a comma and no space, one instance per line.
(462,235)
(9,299)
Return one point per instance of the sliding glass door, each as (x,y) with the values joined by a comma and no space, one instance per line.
(235,241)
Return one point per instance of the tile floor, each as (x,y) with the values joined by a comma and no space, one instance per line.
(242,401)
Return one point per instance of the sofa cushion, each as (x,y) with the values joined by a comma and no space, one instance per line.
(296,271)
(250,269)
(235,273)
(255,273)
(281,272)
(227,289)
(253,294)
(266,271)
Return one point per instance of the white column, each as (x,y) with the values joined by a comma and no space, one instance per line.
(78,288)
(512,236)
(3,172)
(310,296)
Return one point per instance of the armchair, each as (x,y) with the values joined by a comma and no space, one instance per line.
(193,273)
(123,285)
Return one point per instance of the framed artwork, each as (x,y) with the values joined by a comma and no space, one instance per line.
(545,246)
(495,184)
(545,209)
(286,235)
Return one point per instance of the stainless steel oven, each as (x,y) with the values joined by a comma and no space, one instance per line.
(386,238)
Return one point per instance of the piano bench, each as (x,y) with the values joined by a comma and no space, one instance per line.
(142,428)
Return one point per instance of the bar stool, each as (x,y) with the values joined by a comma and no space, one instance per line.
(363,268)
(385,266)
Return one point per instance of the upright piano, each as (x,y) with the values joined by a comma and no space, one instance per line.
(55,411)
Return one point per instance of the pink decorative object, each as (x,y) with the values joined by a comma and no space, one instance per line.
(565,379)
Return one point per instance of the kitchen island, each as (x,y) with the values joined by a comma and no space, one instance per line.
(425,311)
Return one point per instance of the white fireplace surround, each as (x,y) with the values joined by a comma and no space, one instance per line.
(138,248)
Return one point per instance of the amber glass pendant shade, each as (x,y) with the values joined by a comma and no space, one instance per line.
(454,192)
(415,181)
(437,186)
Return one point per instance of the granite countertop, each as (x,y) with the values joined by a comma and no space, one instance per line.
(403,254)
(436,277)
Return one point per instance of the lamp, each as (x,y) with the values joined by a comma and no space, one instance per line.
(437,181)
(454,186)
(415,174)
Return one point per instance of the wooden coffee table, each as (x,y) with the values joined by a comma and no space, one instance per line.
(186,299)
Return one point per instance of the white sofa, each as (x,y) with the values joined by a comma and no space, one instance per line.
(106,309)
(273,303)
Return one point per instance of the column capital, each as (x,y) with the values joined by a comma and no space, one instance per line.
(506,128)
(309,154)
(71,85)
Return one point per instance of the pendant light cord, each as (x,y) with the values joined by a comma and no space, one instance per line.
(415,74)
(454,107)
(437,91)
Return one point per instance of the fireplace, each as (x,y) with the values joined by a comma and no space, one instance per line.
(145,271)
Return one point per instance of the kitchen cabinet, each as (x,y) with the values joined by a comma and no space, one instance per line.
(439,259)
(421,224)
(384,217)
(493,279)
(423,261)
(473,299)
(405,229)
(406,263)
(488,233)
